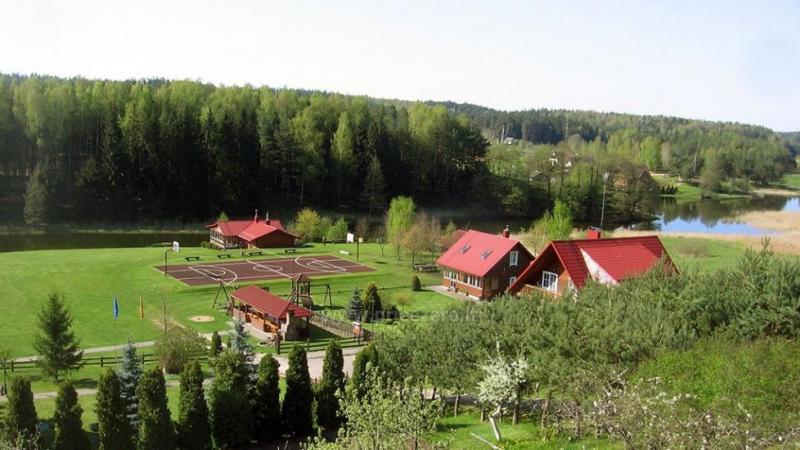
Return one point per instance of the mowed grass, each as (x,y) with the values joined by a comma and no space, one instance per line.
(90,278)
(702,254)
(790,181)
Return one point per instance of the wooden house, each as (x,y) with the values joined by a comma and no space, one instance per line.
(254,233)
(269,313)
(566,266)
(483,265)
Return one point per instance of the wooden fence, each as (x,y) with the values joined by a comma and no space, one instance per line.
(102,361)
(338,327)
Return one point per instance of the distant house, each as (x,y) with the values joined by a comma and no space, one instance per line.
(509,141)
(566,266)
(269,313)
(250,233)
(483,265)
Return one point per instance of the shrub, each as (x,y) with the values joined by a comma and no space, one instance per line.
(177,347)
(416,285)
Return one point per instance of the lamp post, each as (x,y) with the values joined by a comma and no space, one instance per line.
(603,209)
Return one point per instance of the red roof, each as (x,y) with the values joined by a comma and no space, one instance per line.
(614,258)
(248,230)
(475,252)
(269,304)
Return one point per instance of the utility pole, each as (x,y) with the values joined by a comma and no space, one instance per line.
(603,209)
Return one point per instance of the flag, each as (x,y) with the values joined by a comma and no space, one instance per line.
(141,308)
(116,308)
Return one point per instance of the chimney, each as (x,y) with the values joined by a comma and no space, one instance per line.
(255,216)
(266,217)
(594,233)
(506,232)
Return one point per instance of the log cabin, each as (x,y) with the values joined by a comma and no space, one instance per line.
(256,233)
(269,313)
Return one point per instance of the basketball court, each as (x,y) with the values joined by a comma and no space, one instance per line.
(263,269)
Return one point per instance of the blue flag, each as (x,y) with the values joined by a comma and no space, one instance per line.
(116,308)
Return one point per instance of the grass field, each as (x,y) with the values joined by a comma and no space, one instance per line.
(89,279)
(790,181)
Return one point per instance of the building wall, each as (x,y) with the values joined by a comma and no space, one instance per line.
(496,280)
(550,263)
(272,240)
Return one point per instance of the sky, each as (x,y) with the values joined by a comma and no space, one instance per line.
(732,61)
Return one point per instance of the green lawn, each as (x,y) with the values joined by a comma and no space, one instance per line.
(690,191)
(457,432)
(702,254)
(790,181)
(90,278)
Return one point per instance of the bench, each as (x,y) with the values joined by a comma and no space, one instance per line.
(192,258)
(224,255)
(254,253)
(290,250)
(425,268)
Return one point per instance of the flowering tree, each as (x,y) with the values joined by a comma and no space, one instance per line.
(499,387)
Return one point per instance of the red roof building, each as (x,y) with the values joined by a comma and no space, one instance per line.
(256,233)
(483,265)
(269,313)
(565,266)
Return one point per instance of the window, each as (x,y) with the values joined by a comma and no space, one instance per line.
(485,254)
(464,249)
(549,281)
(512,280)
(513,258)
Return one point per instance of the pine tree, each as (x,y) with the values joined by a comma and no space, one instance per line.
(114,428)
(194,431)
(368,356)
(35,209)
(216,345)
(326,391)
(372,303)
(129,372)
(20,420)
(373,194)
(296,413)
(229,401)
(69,426)
(155,425)
(240,343)
(354,309)
(266,400)
(56,345)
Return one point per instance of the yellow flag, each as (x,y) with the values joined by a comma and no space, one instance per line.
(141,308)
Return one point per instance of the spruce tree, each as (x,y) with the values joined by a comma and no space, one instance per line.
(216,345)
(114,428)
(129,372)
(266,400)
(56,344)
(296,413)
(326,391)
(240,342)
(354,309)
(194,432)
(155,425)
(372,302)
(69,426)
(368,356)
(229,401)
(20,420)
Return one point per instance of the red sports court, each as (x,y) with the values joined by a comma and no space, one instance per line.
(262,269)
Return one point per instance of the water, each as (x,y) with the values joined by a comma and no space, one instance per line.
(716,216)
(73,239)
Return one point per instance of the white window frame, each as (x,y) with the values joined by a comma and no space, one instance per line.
(549,281)
(513,258)
(512,280)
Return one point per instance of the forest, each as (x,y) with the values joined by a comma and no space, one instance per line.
(83,151)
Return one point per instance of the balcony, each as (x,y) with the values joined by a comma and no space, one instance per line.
(532,288)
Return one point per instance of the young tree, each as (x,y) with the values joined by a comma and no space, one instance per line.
(330,386)
(128,373)
(178,346)
(500,385)
(216,345)
(194,431)
(306,225)
(399,219)
(20,419)
(56,344)
(5,363)
(296,412)
(156,431)
(337,231)
(343,155)
(114,428)
(367,357)
(240,342)
(266,400)
(229,401)
(372,303)
(422,236)
(552,226)
(355,307)
(67,416)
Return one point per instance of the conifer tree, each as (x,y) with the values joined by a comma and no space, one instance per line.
(368,356)
(114,428)
(354,309)
(155,425)
(240,343)
(216,345)
(372,303)
(20,420)
(69,426)
(194,432)
(326,391)
(296,411)
(129,372)
(35,209)
(229,401)
(266,400)
(56,344)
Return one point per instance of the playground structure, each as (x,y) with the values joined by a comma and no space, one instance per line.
(301,292)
